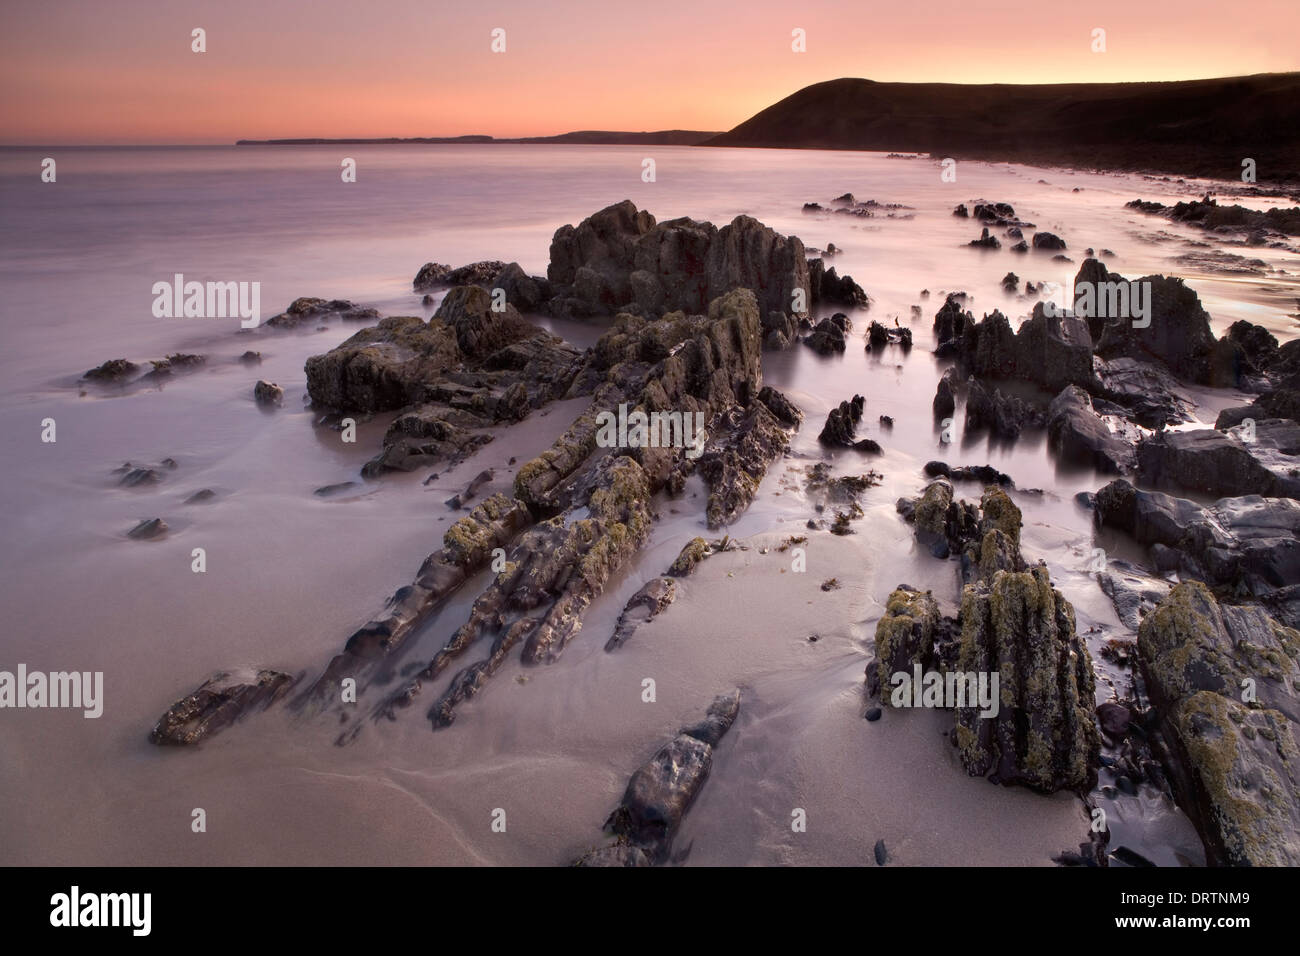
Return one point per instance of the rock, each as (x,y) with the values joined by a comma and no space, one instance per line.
(1020,246)
(829,336)
(877,335)
(786,412)
(829,288)
(268,393)
(985,474)
(986,241)
(1114,719)
(456,502)
(1148,392)
(114,370)
(1004,415)
(1178,335)
(200,496)
(943,525)
(480,330)
(136,477)
(1133,593)
(1246,545)
(619,854)
(841,423)
(647,604)
(427,436)
(961,211)
(1043,735)
(945,401)
(950,324)
(905,637)
(1010,282)
(660,792)
(433,275)
(1078,435)
(1234,766)
(621,260)
(1212,462)
(148,528)
(251,358)
(1046,240)
(695,551)
(307,309)
(881,854)
(1054,351)
(216,704)
(736,459)
(994,211)
(329,491)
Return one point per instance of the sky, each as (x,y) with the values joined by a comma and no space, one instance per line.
(123,71)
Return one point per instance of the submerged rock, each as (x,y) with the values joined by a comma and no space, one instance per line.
(311,309)
(268,393)
(114,370)
(148,528)
(644,606)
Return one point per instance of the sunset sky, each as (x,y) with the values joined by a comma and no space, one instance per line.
(121,71)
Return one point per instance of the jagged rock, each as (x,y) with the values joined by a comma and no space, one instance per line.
(1044,735)
(1020,246)
(216,704)
(986,240)
(830,288)
(647,604)
(1054,351)
(1004,415)
(479,329)
(621,260)
(1212,462)
(988,347)
(961,211)
(829,336)
(841,423)
(1235,766)
(1079,435)
(114,370)
(877,335)
(733,463)
(786,412)
(945,401)
(950,324)
(1010,281)
(943,524)
(659,794)
(905,637)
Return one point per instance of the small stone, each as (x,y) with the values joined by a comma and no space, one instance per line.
(882,854)
(873,714)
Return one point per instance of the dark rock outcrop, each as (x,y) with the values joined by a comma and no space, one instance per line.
(216,704)
(1224,682)
(1224,465)
(1079,435)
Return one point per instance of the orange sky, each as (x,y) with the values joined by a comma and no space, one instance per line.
(121,71)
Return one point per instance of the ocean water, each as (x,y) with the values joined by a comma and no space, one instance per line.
(291,575)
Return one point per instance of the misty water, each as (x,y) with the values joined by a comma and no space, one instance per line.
(291,574)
